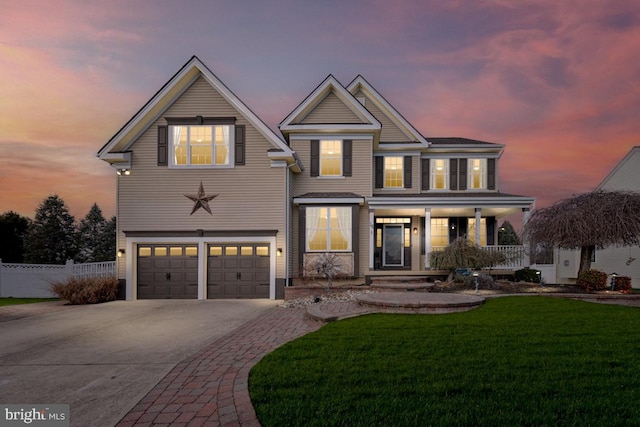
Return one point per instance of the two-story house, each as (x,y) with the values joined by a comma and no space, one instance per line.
(214,204)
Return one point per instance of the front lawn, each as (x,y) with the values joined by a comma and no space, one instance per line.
(17,301)
(515,361)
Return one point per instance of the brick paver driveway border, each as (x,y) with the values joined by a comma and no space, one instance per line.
(211,388)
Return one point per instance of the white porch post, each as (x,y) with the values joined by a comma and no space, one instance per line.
(202,270)
(525,218)
(371,238)
(427,237)
(478,228)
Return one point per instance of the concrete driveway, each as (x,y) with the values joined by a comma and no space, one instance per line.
(102,359)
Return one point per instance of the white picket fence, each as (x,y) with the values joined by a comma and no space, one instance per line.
(34,280)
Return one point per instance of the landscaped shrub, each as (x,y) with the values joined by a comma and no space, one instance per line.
(527,275)
(623,284)
(592,280)
(91,290)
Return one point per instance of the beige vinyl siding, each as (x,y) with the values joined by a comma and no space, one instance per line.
(390,132)
(416,175)
(250,197)
(363,259)
(331,110)
(295,243)
(359,182)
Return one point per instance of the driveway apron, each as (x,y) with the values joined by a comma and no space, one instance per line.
(102,359)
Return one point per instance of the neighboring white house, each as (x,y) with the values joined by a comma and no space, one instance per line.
(624,261)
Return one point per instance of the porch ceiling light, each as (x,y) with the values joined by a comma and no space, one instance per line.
(124,171)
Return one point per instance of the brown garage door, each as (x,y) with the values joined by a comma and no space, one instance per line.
(238,271)
(167,271)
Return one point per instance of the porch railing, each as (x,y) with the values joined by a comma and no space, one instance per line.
(516,256)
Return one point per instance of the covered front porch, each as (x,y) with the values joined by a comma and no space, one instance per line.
(402,237)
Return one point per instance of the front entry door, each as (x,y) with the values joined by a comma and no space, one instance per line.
(393,245)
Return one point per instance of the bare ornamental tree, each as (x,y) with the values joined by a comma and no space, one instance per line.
(588,221)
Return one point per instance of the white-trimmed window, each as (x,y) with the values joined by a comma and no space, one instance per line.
(331,157)
(393,172)
(201,146)
(439,174)
(439,232)
(328,229)
(477,172)
(471,232)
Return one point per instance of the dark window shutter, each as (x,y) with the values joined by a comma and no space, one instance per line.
(163,145)
(425,174)
(347,149)
(407,171)
(315,157)
(240,145)
(491,230)
(453,174)
(491,174)
(379,172)
(462,182)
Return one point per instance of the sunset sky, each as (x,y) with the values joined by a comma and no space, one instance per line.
(557,82)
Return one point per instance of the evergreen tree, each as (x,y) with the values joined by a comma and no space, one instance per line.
(105,244)
(51,238)
(90,231)
(507,235)
(13,228)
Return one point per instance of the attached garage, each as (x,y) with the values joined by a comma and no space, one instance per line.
(167,271)
(238,270)
(233,270)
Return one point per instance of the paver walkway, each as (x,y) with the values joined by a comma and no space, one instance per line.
(211,388)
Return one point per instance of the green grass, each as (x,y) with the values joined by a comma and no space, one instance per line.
(17,301)
(516,361)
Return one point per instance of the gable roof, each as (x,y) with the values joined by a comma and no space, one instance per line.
(329,85)
(117,146)
(634,151)
(361,84)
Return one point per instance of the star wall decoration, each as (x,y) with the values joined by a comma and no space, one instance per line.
(201,200)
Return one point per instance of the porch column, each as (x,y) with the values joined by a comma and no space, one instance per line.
(525,218)
(478,228)
(427,237)
(372,241)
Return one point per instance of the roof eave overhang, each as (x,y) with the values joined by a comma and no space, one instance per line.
(331,128)
(119,159)
(422,202)
(291,158)
(328,200)
(476,148)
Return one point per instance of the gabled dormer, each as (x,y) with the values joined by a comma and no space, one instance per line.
(330,109)
(397,133)
(179,140)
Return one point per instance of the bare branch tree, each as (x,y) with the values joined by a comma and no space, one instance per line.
(588,221)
